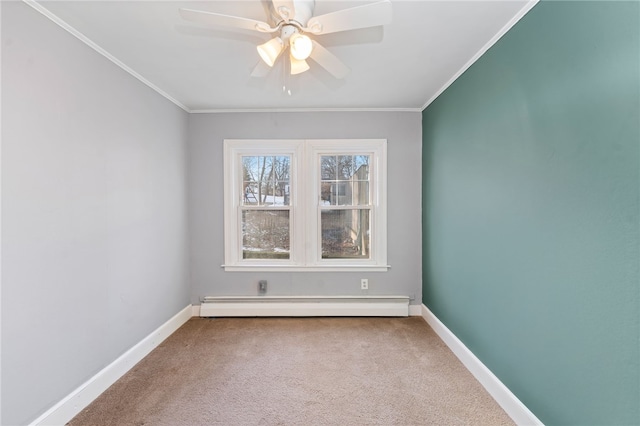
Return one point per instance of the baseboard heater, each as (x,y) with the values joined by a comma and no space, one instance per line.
(305,306)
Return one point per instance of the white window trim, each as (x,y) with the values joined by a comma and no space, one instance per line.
(304,208)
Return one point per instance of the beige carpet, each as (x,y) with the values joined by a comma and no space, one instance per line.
(297,371)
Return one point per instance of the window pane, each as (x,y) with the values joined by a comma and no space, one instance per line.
(328,167)
(265,234)
(361,166)
(266,180)
(344,180)
(345,234)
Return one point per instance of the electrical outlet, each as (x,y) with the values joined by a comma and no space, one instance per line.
(364,284)
(262,286)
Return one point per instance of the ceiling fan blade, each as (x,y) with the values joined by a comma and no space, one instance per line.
(328,61)
(285,9)
(260,70)
(368,15)
(219,20)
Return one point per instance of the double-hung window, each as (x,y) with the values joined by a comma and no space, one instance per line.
(305,205)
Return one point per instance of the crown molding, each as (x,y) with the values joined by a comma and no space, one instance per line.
(525,9)
(62,24)
(86,40)
(230,110)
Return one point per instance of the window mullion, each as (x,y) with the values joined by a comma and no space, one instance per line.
(324,176)
(310,200)
(297,205)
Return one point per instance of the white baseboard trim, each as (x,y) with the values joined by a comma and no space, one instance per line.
(76,401)
(195,310)
(518,412)
(415,310)
(305,306)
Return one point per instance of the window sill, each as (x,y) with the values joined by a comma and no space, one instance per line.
(298,268)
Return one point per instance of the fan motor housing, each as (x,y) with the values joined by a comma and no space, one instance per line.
(287,31)
(303,12)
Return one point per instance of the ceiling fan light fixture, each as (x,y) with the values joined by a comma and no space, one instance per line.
(296,21)
(270,50)
(298,66)
(301,46)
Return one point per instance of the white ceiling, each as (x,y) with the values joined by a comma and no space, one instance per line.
(402,66)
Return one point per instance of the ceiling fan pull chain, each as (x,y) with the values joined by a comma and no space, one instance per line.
(286,78)
(298,18)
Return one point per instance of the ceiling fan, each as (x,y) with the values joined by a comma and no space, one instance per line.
(297,28)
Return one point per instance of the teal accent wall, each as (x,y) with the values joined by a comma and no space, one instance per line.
(531,214)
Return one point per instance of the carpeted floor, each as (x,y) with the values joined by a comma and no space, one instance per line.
(297,371)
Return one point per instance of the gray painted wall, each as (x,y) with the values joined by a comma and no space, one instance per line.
(532,211)
(206,134)
(94,234)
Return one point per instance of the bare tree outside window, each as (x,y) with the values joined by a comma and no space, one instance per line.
(345,206)
(265,215)
(266,180)
(305,205)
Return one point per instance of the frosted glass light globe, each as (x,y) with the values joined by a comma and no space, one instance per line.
(301,46)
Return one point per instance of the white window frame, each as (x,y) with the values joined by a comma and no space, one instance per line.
(304,208)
